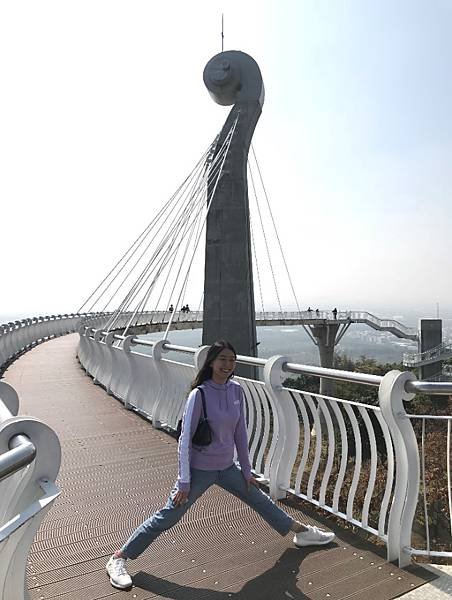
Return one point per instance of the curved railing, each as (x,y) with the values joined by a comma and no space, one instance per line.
(158,320)
(441,352)
(356,461)
(19,336)
(29,464)
(434,435)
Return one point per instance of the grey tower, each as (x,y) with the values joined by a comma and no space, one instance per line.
(232,78)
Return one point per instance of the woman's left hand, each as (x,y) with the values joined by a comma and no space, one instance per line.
(251,481)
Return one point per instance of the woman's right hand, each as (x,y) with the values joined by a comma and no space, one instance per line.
(180,498)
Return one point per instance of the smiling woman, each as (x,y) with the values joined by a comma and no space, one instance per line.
(200,467)
(223,366)
(219,365)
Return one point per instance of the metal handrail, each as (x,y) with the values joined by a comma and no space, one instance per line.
(176,348)
(337,374)
(435,388)
(419,357)
(24,322)
(352,315)
(426,387)
(21,452)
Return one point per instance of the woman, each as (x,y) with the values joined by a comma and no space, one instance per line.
(202,466)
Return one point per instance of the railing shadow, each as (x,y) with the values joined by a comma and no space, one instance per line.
(282,580)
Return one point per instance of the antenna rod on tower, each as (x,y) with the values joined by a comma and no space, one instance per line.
(222,32)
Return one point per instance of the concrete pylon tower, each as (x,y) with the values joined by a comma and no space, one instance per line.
(430,336)
(326,333)
(232,77)
(325,339)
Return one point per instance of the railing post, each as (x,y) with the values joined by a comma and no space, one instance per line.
(26,494)
(157,350)
(391,396)
(109,341)
(127,348)
(200,357)
(288,431)
(9,397)
(97,354)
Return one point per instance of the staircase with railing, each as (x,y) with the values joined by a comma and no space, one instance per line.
(438,353)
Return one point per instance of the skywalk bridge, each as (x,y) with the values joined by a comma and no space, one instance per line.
(116,468)
(157,321)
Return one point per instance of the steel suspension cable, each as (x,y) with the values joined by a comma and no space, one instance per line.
(192,234)
(122,306)
(145,232)
(145,298)
(187,210)
(184,215)
(164,287)
(265,240)
(198,226)
(230,136)
(130,295)
(305,327)
(257,266)
(201,191)
(275,229)
(163,254)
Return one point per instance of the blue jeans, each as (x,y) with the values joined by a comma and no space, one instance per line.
(229,479)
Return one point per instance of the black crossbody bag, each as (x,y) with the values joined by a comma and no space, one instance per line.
(203,433)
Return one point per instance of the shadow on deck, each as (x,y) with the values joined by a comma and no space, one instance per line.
(116,470)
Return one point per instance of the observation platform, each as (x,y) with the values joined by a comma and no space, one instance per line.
(116,470)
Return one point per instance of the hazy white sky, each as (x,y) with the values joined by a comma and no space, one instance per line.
(103,112)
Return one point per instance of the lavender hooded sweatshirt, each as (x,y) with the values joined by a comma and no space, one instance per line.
(225,412)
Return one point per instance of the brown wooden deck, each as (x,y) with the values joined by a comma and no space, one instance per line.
(116,469)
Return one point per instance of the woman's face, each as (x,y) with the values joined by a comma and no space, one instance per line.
(223,366)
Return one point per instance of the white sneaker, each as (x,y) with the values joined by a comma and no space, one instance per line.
(313,537)
(119,578)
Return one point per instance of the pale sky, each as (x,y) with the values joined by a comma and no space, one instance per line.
(103,113)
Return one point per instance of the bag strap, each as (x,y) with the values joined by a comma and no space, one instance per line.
(203,398)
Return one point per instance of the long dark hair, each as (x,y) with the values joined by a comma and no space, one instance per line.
(205,372)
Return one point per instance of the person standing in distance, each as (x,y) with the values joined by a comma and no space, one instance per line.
(202,466)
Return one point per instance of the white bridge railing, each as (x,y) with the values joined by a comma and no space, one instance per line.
(18,336)
(357,316)
(158,320)
(30,458)
(358,462)
(441,352)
